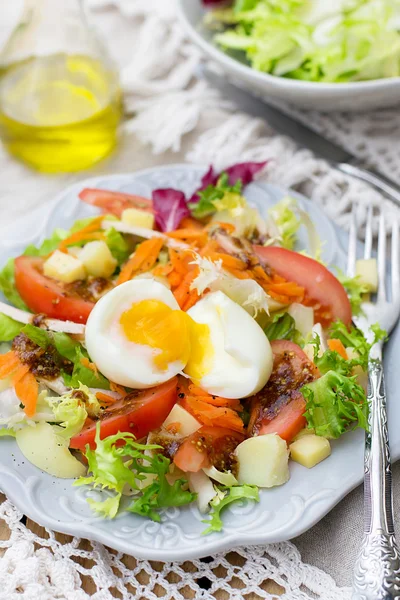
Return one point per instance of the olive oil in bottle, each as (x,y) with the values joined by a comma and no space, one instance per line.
(59,113)
(60,100)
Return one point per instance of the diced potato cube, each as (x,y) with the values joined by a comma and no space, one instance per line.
(64,267)
(263,461)
(97,259)
(188,424)
(367,271)
(310,450)
(138,218)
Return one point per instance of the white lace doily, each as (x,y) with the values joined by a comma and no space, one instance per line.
(171,108)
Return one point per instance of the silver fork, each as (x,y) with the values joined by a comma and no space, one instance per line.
(377,569)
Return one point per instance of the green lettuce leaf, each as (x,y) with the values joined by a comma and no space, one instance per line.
(9,328)
(65,345)
(217,198)
(226,496)
(160,493)
(282,326)
(286,221)
(85,376)
(118,246)
(7,285)
(70,413)
(334,402)
(48,245)
(120,461)
(4,432)
(354,338)
(355,290)
(40,337)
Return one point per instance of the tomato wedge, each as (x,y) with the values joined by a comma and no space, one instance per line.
(279,407)
(139,412)
(44,295)
(114,202)
(322,288)
(206,447)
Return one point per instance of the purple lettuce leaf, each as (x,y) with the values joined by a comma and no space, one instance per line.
(170,208)
(244,171)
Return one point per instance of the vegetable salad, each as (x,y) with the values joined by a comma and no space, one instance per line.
(175,350)
(311,40)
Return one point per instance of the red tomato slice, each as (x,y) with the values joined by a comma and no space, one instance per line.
(44,295)
(114,202)
(139,412)
(323,288)
(206,447)
(279,407)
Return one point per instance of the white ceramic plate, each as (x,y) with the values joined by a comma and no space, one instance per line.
(353,96)
(282,513)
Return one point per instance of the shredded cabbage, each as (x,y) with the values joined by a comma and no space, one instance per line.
(315,40)
(245,292)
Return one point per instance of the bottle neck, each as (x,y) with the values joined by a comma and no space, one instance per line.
(51,27)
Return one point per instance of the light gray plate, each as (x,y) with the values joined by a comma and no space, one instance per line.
(283,512)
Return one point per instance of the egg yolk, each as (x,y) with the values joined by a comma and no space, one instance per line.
(172,332)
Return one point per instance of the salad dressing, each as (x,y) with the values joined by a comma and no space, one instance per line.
(59,112)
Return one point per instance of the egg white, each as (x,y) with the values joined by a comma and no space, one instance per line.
(120,360)
(242,359)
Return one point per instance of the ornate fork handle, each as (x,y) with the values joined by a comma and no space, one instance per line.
(377,568)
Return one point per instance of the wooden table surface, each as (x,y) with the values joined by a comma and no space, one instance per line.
(89,586)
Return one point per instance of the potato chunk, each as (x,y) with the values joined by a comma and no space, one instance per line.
(138,218)
(48,451)
(64,267)
(367,271)
(97,259)
(263,461)
(310,450)
(188,424)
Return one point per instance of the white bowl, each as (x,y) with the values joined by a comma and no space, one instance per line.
(354,96)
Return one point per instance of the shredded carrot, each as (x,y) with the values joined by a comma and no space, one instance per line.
(260,274)
(19,373)
(183,292)
(228,227)
(190,235)
(174,427)
(218,401)
(89,365)
(181,260)
(8,364)
(228,261)
(191,223)
(90,232)
(212,415)
(114,387)
(142,260)
(337,346)
(287,289)
(105,398)
(27,390)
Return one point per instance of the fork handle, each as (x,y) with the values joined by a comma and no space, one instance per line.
(377,568)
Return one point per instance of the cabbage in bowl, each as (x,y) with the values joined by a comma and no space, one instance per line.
(312,40)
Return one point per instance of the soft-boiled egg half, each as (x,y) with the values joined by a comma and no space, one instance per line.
(235,359)
(138,337)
